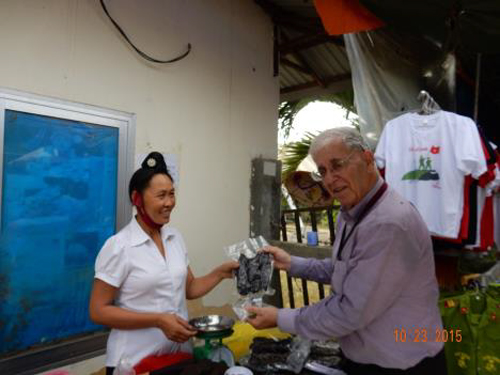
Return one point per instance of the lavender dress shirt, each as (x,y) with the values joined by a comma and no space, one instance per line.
(385,280)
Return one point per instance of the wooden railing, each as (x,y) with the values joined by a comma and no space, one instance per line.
(312,211)
(285,291)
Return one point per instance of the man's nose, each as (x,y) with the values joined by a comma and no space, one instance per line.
(330,177)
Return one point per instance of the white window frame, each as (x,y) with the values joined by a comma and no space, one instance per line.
(63,109)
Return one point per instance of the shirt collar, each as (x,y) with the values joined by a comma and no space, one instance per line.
(167,231)
(139,236)
(352,214)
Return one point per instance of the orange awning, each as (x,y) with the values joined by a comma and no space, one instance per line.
(345,16)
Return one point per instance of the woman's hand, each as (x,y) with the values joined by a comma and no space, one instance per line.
(225,270)
(199,286)
(282,260)
(175,328)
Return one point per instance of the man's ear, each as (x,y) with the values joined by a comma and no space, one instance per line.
(368,157)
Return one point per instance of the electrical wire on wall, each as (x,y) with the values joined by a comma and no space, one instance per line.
(142,54)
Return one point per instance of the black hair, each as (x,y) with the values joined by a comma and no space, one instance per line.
(153,164)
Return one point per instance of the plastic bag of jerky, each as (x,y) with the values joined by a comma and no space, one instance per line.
(254,274)
(256,268)
(253,277)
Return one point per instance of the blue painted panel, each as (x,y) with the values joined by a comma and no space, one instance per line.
(58,208)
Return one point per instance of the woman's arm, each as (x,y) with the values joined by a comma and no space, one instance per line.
(197,287)
(102,311)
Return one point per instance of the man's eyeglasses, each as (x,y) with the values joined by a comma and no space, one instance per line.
(336,166)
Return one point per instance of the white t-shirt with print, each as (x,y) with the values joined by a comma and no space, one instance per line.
(147,282)
(426,158)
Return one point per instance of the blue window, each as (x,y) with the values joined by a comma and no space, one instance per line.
(59,186)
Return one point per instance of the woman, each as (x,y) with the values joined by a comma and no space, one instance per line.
(142,275)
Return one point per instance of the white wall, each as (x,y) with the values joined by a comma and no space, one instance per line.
(216,109)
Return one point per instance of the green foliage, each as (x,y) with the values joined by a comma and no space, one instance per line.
(293,153)
(288,110)
(287,113)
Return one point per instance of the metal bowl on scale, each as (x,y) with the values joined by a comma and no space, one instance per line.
(213,326)
(212,329)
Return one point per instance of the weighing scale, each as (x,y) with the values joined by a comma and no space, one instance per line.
(212,329)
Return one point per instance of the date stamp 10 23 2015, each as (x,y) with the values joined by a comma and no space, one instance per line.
(425,335)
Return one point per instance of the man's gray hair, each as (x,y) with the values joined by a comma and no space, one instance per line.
(350,136)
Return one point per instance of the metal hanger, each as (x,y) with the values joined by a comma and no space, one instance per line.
(429,105)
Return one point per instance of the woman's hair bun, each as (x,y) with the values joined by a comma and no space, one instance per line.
(153,164)
(154,161)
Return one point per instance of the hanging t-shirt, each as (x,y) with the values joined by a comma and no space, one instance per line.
(496,202)
(485,211)
(484,227)
(496,218)
(426,158)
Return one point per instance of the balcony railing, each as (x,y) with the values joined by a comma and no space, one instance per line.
(294,292)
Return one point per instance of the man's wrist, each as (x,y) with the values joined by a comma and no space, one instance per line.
(285,320)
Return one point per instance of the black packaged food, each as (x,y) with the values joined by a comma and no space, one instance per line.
(266,352)
(254,274)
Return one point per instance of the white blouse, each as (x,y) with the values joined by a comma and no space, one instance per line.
(146,282)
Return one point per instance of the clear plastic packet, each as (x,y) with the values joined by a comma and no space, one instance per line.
(239,307)
(253,278)
(318,368)
(248,247)
(124,367)
(299,352)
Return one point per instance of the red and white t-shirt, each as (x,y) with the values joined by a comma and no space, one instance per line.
(426,158)
(496,218)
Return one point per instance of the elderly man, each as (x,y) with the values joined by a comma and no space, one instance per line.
(383,307)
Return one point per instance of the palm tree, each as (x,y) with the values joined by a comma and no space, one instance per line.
(292,154)
(288,110)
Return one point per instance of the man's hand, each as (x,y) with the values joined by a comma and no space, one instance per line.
(175,328)
(282,260)
(263,317)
